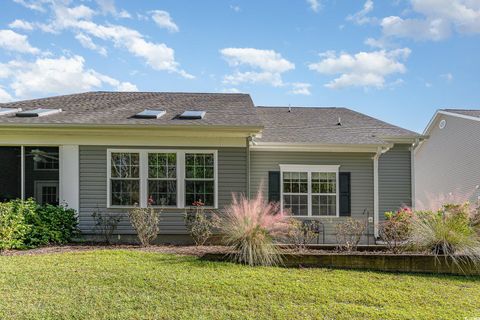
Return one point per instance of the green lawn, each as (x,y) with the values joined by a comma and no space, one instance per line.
(121,284)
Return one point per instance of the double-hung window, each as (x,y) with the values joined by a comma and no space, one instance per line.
(124,178)
(199,178)
(310,190)
(166,178)
(162,179)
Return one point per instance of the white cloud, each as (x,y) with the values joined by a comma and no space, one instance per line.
(5,96)
(436,29)
(440,19)
(267,60)
(108,7)
(57,76)
(37,5)
(361,17)
(376,43)
(447,77)
(268,66)
(314,5)
(274,79)
(363,69)
(157,55)
(12,41)
(88,43)
(235,8)
(301,88)
(164,20)
(21,24)
(231,90)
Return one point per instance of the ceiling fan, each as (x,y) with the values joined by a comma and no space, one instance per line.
(41,156)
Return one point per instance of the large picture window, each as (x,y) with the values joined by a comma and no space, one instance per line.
(310,190)
(125,179)
(166,178)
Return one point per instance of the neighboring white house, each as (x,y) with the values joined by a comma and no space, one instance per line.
(447,164)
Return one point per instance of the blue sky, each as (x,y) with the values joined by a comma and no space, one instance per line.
(397,60)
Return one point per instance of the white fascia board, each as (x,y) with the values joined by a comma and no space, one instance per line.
(274,146)
(428,128)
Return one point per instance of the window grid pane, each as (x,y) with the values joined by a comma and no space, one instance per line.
(162,192)
(323,193)
(125,165)
(125,192)
(162,165)
(295,190)
(199,178)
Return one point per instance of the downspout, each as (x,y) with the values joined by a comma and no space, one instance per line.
(376,197)
(249,140)
(412,164)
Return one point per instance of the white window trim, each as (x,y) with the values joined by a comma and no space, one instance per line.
(309,169)
(144,175)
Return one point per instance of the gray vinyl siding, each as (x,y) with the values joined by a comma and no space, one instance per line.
(93,188)
(395,179)
(448,162)
(360,166)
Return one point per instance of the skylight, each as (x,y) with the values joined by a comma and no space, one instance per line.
(192,115)
(150,114)
(38,112)
(5,111)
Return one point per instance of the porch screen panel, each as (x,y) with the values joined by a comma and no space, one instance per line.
(10,173)
(42,174)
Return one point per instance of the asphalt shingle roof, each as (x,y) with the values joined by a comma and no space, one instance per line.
(301,125)
(320,126)
(117,108)
(466,112)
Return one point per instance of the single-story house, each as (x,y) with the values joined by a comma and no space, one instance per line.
(106,151)
(447,164)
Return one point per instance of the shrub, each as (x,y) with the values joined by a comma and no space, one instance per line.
(106,224)
(349,234)
(302,233)
(25,224)
(145,223)
(396,229)
(450,231)
(199,224)
(251,227)
(13,228)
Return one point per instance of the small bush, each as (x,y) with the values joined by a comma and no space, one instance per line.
(302,233)
(349,234)
(199,224)
(450,232)
(13,228)
(396,229)
(251,227)
(145,223)
(106,224)
(25,224)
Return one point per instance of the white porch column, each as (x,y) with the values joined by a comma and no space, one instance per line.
(69,174)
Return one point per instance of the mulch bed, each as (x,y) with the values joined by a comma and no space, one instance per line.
(183,250)
(190,250)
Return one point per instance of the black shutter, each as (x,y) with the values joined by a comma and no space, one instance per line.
(345,196)
(274,186)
